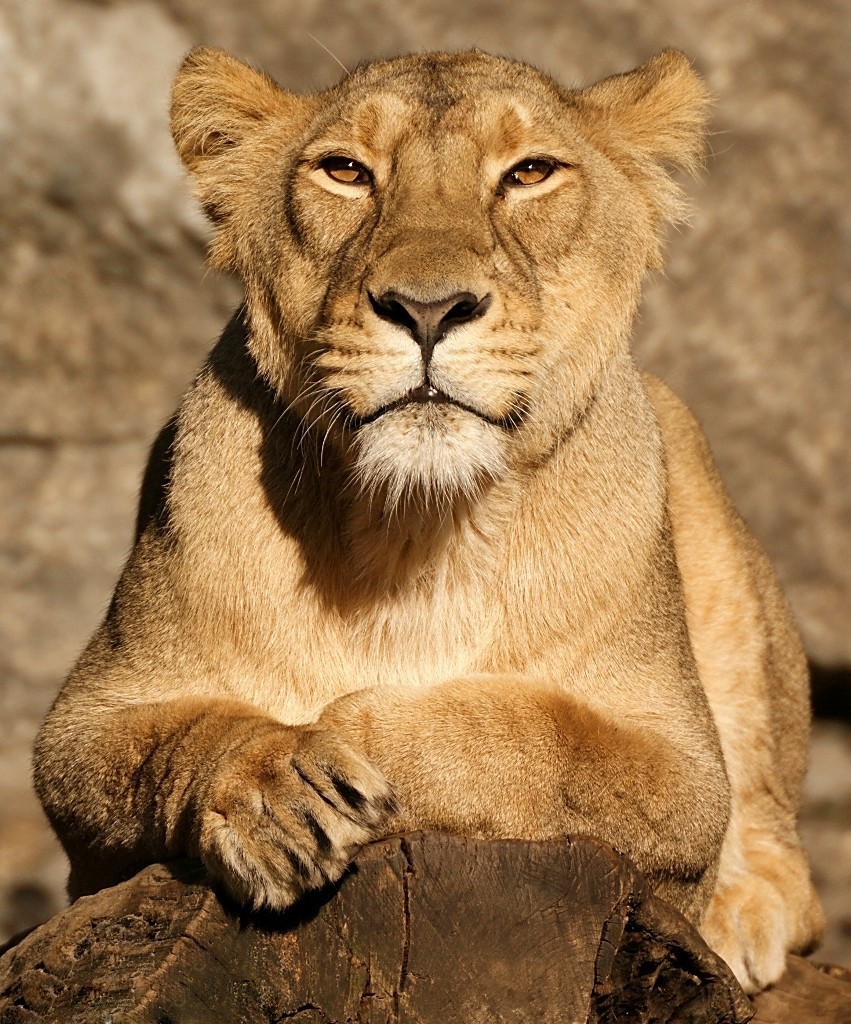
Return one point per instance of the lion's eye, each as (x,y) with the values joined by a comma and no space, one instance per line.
(345,170)
(528,172)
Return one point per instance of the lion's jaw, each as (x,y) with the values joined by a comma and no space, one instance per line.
(427,454)
(426,431)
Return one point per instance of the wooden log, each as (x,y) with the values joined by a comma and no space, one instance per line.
(425,929)
(807,994)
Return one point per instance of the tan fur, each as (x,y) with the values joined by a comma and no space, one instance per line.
(531,608)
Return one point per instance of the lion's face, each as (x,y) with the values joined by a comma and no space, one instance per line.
(442,254)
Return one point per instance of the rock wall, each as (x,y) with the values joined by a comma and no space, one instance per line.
(105,308)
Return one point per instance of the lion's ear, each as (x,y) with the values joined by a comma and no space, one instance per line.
(230,124)
(658,110)
(217,101)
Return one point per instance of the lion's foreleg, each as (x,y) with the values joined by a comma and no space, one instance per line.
(497,756)
(270,809)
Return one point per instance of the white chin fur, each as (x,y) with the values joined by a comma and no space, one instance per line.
(428,454)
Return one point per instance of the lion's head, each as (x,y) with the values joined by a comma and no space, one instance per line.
(442,254)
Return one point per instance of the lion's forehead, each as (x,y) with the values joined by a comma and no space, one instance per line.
(493,120)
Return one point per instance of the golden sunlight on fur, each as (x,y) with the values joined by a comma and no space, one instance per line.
(421,547)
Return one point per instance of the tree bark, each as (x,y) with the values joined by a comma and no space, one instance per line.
(424,929)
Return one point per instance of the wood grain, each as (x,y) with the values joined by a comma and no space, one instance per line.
(425,929)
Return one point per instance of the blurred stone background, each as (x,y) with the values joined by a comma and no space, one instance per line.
(106,310)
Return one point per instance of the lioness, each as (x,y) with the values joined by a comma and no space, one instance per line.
(422,548)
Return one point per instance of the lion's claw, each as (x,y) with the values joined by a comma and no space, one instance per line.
(281,822)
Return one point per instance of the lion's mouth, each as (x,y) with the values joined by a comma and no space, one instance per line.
(427,394)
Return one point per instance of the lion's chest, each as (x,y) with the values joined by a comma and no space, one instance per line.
(410,642)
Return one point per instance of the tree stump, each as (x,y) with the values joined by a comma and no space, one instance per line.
(424,929)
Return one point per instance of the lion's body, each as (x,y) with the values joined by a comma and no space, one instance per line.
(529,606)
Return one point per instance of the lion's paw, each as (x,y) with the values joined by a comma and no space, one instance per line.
(278,822)
(749,932)
(752,924)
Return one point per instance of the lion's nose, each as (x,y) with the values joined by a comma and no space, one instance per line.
(429,322)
